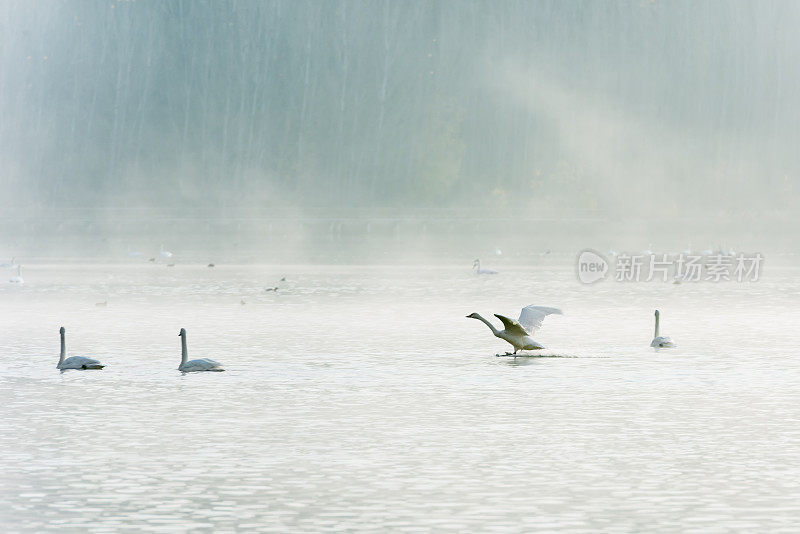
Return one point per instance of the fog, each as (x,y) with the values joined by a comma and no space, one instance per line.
(382,131)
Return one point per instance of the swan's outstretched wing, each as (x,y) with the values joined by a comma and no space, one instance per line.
(532,316)
(512,326)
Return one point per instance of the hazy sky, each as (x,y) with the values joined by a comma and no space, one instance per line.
(632,106)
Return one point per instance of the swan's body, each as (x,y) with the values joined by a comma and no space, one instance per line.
(202,364)
(515,333)
(476,266)
(17,278)
(74,362)
(728,252)
(662,342)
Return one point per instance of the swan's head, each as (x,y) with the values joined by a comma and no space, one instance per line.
(657,314)
(182,332)
(61,330)
(472,316)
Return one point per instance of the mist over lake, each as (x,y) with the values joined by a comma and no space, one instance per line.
(321,201)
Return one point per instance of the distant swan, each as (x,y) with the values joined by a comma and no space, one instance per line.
(17,278)
(203,364)
(476,266)
(660,341)
(165,253)
(519,333)
(74,362)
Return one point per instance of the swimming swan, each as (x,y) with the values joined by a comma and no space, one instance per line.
(660,341)
(476,266)
(74,362)
(202,364)
(519,333)
(17,278)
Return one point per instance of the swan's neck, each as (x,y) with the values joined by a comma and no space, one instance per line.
(184,352)
(487,323)
(63,350)
(655,334)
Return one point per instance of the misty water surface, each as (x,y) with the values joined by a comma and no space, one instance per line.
(361,398)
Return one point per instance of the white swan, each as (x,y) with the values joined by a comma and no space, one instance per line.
(202,364)
(663,342)
(476,266)
(165,253)
(74,362)
(17,278)
(519,333)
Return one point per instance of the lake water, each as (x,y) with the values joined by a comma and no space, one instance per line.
(362,399)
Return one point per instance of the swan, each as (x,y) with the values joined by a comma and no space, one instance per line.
(74,362)
(202,364)
(660,341)
(519,333)
(165,253)
(17,278)
(476,266)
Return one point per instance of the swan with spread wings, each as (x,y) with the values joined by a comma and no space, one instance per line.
(519,333)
